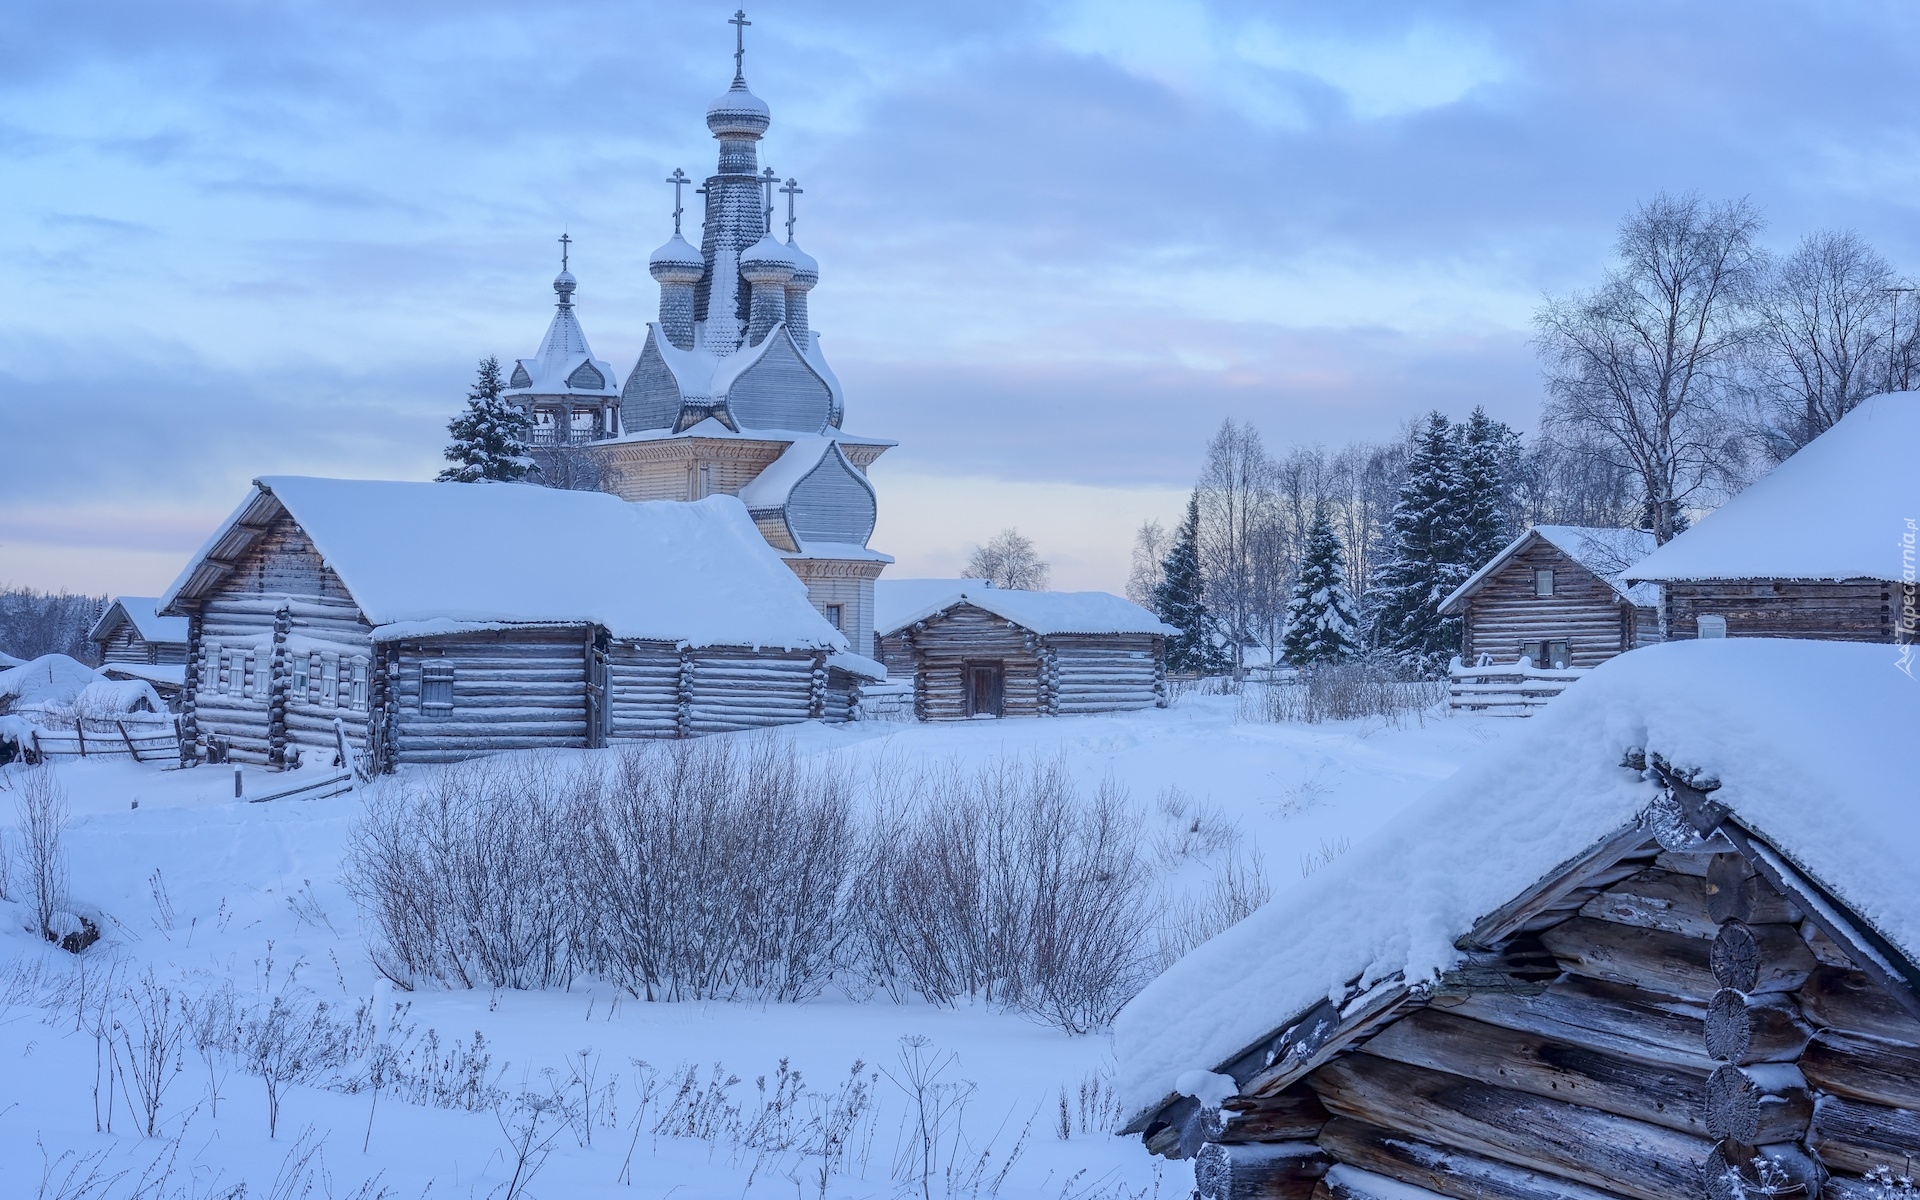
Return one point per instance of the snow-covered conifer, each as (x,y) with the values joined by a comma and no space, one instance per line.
(1489,458)
(1180,601)
(489,435)
(1423,562)
(1322,620)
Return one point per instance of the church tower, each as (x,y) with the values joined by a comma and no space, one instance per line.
(567,393)
(731,392)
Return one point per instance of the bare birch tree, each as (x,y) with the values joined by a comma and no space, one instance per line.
(1236,500)
(1828,337)
(1010,561)
(1150,545)
(1642,366)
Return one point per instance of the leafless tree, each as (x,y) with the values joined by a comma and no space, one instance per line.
(1642,366)
(1829,337)
(1150,546)
(569,468)
(1564,482)
(1236,506)
(33,623)
(1010,561)
(41,810)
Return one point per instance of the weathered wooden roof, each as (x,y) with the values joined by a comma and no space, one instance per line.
(1804,748)
(138,611)
(1607,553)
(1041,612)
(1838,509)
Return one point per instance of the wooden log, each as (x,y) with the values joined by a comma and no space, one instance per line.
(1351,1183)
(1757,1105)
(1258,1171)
(1864,1069)
(1584,1144)
(1293,1115)
(1625,1020)
(1851,1001)
(1746,1029)
(1731,1173)
(1671,962)
(1443,1170)
(1854,1136)
(1675,1095)
(1656,899)
(1555,887)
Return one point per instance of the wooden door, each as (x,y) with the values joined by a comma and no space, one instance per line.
(986,689)
(599,701)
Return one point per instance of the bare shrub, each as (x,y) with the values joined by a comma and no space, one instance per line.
(293,1040)
(151,1035)
(1343,692)
(1238,888)
(41,810)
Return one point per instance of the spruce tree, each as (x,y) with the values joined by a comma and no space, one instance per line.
(1423,562)
(489,435)
(1484,508)
(1179,600)
(1322,621)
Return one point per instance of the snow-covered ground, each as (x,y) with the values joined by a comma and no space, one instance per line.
(205,891)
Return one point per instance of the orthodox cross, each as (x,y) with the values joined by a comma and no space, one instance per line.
(566,242)
(767,180)
(792,189)
(739,22)
(679,180)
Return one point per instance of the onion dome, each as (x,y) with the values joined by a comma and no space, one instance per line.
(806,270)
(564,283)
(767,261)
(676,262)
(738,113)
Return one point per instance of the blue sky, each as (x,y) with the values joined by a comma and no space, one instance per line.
(1059,242)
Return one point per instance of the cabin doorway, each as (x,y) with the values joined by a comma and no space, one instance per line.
(986,689)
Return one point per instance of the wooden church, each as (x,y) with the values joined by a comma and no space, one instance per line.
(731,394)
(426,622)
(1665,944)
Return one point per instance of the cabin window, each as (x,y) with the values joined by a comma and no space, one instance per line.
(1543,582)
(359,701)
(1711,626)
(210,667)
(300,676)
(835,616)
(329,680)
(1547,655)
(436,688)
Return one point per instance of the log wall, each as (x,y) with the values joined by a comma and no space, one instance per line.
(125,645)
(1585,612)
(1856,610)
(519,689)
(1698,1020)
(1059,674)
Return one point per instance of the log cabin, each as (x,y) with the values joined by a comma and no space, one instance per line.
(981,651)
(1820,547)
(1664,944)
(1554,596)
(136,643)
(731,393)
(435,621)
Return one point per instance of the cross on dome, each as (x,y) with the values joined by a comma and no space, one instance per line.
(566,242)
(791,190)
(767,180)
(679,180)
(739,22)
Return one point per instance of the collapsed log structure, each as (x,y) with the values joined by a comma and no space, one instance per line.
(1707,1000)
(1813,549)
(431,622)
(973,650)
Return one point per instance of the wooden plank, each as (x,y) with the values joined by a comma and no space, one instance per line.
(1555,886)
(1864,1069)
(1681,903)
(1443,1170)
(1851,1135)
(1853,1002)
(1292,1115)
(1671,962)
(1599,1149)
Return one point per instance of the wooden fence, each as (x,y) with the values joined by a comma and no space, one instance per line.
(145,741)
(1506,689)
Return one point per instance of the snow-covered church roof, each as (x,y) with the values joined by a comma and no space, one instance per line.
(1838,509)
(564,364)
(428,558)
(1808,741)
(1608,553)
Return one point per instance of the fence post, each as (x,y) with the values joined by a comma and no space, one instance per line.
(128,739)
(239,783)
(80,731)
(39,755)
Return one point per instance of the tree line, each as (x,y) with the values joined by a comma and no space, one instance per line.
(1699,361)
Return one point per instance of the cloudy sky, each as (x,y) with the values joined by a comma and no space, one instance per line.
(1059,241)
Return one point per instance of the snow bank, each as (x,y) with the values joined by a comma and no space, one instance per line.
(1811,742)
(49,679)
(1042,612)
(117,697)
(442,557)
(1835,510)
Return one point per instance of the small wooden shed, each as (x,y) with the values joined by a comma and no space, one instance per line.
(1821,547)
(981,651)
(1700,977)
(136,643)
(435,621)
(1555,596)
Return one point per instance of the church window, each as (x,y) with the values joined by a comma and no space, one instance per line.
(436,688)
(835,613)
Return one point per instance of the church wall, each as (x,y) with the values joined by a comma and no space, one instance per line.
(780,392)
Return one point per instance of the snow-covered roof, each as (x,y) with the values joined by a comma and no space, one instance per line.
(1606,552)
(139,612)
(167,674)
(1809,740)
(1836,510)
(705,375)
(564,364)
(1043,612)
(424,558)
(897,601)
(712,427)
(770,488)
(8,660)
(49,679)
